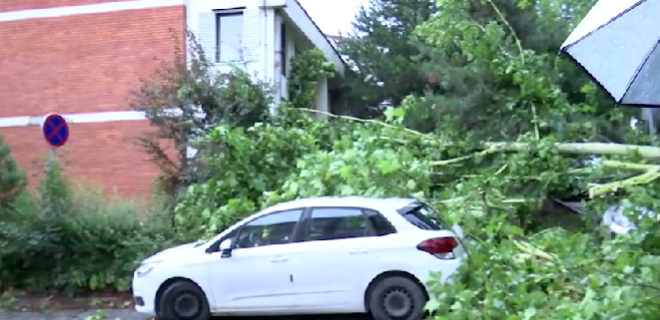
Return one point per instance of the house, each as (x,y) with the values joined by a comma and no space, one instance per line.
(82,58)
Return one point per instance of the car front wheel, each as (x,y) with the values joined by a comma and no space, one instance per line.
(397,298)
(183,300)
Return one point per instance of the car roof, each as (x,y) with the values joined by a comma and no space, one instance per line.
(352,201)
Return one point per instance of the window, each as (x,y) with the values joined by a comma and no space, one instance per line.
(271,229)
(336,223)
(231,235)
(216,246)
(283,59)
(423,217)
(229,36)
(379,223)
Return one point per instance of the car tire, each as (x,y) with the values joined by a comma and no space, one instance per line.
(396,298)
(183,300)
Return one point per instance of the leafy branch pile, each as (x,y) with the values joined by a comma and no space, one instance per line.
(510,130)
(483,120)
(494,195)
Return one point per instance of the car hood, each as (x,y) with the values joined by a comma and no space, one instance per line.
(178,251)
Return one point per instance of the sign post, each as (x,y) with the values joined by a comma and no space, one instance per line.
(56,132)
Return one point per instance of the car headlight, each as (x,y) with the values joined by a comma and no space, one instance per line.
(145,268)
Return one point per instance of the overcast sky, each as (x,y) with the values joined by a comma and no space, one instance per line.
(334,15)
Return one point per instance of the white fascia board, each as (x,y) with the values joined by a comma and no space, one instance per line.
(76,118)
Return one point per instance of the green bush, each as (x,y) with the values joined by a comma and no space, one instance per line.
(295,156)
(77,239)
(12,180)
(259,159)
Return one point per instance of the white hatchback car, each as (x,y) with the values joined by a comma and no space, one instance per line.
(309,256)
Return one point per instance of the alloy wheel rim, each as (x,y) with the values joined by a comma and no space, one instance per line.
(186,305)
(398,303)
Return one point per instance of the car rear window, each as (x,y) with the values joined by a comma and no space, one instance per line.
(422,216)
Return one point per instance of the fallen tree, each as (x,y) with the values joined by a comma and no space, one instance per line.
(494,190)
(488,168)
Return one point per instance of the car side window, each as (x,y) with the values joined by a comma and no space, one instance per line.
(336,223)
(231,235)
(380,224)
(271,229)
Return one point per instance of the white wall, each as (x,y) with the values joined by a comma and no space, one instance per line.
(282,81)
(322,98)
(257,47)
(260,45)
(201,18)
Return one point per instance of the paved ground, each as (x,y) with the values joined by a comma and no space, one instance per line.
(73,315)
(131,315)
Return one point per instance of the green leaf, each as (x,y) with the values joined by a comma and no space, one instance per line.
(529,313)
(431,306)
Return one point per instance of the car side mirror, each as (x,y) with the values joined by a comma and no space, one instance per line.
(225,248)
(458,231)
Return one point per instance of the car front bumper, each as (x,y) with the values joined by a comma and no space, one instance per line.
(144,296)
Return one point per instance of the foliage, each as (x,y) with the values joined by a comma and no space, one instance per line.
(457,80)
(54,192)
(232,145)
(184,98)
(76,239)
(382,56)
(307,69)
(495,194)
(242,164)
(496,84)
(12,180)
(511,128)
(490,164)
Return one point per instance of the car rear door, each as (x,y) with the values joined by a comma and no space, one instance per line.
(329,267)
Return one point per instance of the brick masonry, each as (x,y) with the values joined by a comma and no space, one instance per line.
(79,64)
(84,63)
(97,155)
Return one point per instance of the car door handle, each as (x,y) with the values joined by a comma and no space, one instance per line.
(358,251)
(279,259)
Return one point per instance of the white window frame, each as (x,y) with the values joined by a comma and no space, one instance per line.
(219,14)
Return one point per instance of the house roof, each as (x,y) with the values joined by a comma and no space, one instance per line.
(333,40)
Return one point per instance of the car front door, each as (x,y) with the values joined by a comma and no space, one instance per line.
(255,276)
(330,264)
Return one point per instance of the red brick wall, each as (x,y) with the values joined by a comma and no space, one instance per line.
(80,64)
(97,154)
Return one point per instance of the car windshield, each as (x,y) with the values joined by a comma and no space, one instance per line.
(422,216)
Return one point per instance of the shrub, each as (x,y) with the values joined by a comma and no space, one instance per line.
(12,180)
(260,158)
(294,156)
(203,97)
(80,240)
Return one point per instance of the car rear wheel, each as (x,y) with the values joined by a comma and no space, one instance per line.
(183,300)
(396,298)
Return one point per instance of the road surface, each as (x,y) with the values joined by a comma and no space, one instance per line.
(123,314)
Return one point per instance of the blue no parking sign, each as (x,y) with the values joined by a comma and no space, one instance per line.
(55,130)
